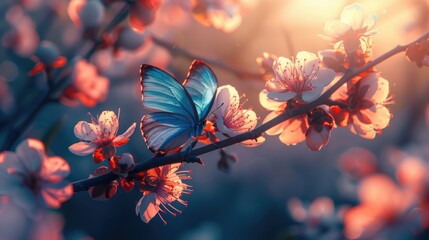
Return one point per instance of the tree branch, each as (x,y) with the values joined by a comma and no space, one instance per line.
(85,184)
(16,130)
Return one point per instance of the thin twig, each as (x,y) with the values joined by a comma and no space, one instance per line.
(173,49)
(85,184)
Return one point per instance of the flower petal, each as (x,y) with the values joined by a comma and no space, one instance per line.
(54,169)
(282,67)
(9,160)
(378,88)
(294,131)
(31,153)
(124,137)
(269,104)
(335,28)
(222,128)
(82,148)
(380,116)
(86,131)
(276,129)
(9,183)
(323,78)
(307,61)
(369,23)
(55,194)
(108,123)
(353,15)
(26,200)
(225,95)
(309,96)
(249,120)
(147,207)
(364,130)
(281,96)
(316,140)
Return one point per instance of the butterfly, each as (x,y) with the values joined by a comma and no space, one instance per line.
(179,111)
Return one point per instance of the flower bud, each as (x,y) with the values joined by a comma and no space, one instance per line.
(130,40)
(86,13)
(265,64)
(142,13)
(47,53)
(122,165)
(320,126)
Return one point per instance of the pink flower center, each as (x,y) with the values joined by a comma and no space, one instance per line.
(235,117)
(105,134)
(33,182)
(297,79)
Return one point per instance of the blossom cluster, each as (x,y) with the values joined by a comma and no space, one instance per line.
(359,105)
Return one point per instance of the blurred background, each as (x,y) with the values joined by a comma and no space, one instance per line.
(266,194)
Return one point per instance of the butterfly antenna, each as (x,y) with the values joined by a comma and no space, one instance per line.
(216,109)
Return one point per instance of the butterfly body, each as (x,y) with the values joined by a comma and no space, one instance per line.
(178,111)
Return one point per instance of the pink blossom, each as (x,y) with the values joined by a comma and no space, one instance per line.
(22,37)
(314,127)
(265,64)
(358,162)
(99,137)
(302,78)
(292,131)
(33,179)
(222,15)
(365,113)
(322,208)
(412,172)
(88,86)
(231,118)
(354,25)
(161,187)
(382,202)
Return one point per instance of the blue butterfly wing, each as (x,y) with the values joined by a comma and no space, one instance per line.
(178,109)
(161,92)
(165,131)
(201,84)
